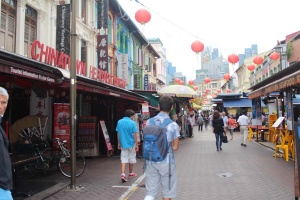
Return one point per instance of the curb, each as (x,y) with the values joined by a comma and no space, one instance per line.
(48,192)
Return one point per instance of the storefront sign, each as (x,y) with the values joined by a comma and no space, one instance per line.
(31,75)
(53,57)
(50,56)
(278,85)
(102,14)
(102,52)
(122,71)
(105,134)
(146,82)
(63,28)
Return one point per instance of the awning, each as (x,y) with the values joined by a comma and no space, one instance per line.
(234,103)
(17,65)
(152,96)
(284,79)
(93,86)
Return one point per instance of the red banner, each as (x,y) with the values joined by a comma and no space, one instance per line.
(61,123)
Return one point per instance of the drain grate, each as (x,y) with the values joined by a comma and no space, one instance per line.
(225,175)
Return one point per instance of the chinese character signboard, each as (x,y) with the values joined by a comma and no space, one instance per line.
(122,71)
(63,29)
(146,87)
(102,14)
(102,49)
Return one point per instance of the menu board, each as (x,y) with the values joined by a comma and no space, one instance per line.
(105,134)
(61,123)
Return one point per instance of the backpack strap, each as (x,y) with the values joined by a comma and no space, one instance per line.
(166,122)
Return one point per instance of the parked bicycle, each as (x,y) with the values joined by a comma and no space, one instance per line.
(62,159)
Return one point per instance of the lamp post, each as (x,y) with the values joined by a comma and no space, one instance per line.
(73,83)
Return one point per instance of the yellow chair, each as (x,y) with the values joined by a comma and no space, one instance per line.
(286,141)
(250,133)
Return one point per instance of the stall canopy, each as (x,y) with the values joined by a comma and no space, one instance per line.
(234,103)
(152,96)
(288,77)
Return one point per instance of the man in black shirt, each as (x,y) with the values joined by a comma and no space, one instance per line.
(6,181)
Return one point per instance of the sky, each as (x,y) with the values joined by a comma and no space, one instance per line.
(231,26)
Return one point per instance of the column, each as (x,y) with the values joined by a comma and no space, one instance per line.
(20,26)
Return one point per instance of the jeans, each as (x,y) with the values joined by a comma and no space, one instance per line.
(200,127)
(219,140)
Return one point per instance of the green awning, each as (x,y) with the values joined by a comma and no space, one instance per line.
(153,101)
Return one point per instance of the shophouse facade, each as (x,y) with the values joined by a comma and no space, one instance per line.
(35,61)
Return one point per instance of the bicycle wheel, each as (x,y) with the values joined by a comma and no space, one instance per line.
(64,165)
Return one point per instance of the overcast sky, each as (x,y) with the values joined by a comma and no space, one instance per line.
(231,26)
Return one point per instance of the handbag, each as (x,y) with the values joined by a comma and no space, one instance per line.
(224,139)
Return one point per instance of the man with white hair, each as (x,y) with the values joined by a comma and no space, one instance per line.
(6,180)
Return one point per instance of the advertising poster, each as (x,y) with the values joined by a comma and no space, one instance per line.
(288,108)
(256,112)
(105,134)
(145,110)
(61,123)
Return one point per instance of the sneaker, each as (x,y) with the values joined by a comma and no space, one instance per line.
(220,149)
(123,178)
(245,145)
(242,144)
(132,175)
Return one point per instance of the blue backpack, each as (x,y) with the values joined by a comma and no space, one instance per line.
(155,143)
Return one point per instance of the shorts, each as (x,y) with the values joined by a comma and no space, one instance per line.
(5,194)
(157,177)
(128,155)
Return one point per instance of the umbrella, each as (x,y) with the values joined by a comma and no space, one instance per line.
(29,122)
(178,91)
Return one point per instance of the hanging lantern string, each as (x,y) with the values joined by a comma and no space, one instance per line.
(182,29)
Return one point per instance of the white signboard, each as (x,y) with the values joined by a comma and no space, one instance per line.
(278,122)
(122,71)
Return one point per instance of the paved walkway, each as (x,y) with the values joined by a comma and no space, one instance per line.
(203,173)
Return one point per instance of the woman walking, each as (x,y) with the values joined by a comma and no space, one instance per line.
(231,125)
(217,123)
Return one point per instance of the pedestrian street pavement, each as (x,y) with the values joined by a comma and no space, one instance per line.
(241,173)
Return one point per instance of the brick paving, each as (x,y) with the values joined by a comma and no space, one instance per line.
(203,173)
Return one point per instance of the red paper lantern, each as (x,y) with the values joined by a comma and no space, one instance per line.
(274,55)
(195,88)
(177,80)
(207,90)
(251,67)
(181,82)
(218,90)
(204,94)
(191,82)
(258,60)
(228,90)
(142,16)
(226,77)
(232,58)
(197,46)
(207,80)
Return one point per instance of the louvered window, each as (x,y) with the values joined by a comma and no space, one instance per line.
(30,29)
(8,25)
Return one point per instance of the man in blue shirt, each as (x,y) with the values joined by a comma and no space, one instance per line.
(162,175)
(127,142)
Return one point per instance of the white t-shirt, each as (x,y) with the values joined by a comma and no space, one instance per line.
(225,120)
(243,120)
